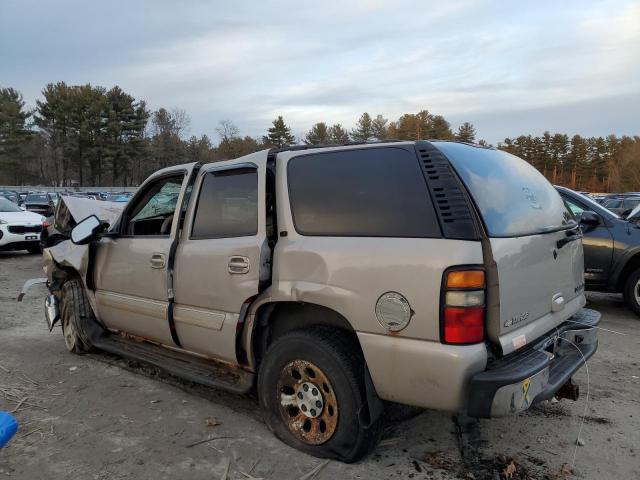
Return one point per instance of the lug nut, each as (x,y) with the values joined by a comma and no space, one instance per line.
(300,395)
(305,387)
(318,404)
(314,391)
(303,408)
(313,412)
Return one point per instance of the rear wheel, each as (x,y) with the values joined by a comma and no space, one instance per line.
(632,291)
(74,316)
(311,388)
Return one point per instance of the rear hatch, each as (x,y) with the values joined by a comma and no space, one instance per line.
(534,260)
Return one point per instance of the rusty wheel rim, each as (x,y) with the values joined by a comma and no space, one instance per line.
(69,333)
(307,403)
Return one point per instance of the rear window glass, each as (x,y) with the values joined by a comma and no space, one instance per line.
(227,205)
(37,198)
(376,192)
(514,199)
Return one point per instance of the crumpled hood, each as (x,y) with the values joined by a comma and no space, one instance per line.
(81,208)
(70,211)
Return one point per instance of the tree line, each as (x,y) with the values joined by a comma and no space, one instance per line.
(81,135)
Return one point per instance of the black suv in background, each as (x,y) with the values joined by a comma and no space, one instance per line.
(41,203)
(611,248)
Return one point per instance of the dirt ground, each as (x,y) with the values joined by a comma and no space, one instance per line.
(98,417)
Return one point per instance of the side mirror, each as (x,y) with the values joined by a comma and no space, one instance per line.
(589,218)
(86,230)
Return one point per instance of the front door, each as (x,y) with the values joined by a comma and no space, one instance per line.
(597,243)
(221,257)
(131,264)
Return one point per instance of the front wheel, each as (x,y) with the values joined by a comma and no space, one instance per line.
(75,314)
(311,388)
(632,291)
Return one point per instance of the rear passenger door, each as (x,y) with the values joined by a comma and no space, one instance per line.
(221,257)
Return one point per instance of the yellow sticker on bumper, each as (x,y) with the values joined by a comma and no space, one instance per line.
(526,398)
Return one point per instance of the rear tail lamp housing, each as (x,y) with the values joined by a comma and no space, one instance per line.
(462,306)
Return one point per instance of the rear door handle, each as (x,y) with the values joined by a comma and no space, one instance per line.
(157,260)
(238,264)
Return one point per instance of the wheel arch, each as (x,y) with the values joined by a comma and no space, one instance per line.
(629,266)
(274,319)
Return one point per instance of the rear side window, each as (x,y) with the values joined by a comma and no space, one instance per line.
(373,192)
(227,205)
(514,199)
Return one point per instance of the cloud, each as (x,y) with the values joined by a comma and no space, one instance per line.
(500,65)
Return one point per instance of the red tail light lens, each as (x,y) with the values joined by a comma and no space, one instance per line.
(463,325)
(463,309)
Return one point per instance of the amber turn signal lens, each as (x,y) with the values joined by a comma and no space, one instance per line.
(465,279)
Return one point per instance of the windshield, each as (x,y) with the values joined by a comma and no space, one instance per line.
(8,206)
(38,198)
(514,199)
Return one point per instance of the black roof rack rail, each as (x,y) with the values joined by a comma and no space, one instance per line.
(293,148)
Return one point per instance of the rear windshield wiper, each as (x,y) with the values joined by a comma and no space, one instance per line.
(572,235)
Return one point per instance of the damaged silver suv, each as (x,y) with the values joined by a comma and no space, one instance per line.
(335,279)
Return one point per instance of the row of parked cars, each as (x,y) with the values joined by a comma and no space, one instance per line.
(27,217)
(619,203)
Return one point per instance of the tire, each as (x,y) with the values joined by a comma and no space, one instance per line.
(75,315)
(333,369)
(34,249)
(631,291)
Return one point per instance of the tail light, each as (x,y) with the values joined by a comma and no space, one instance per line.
(463,306)
(46,223)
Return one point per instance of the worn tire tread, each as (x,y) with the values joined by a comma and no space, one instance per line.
(76,304)
(348,355)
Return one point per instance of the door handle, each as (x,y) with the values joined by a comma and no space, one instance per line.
(157,260)
(238,264)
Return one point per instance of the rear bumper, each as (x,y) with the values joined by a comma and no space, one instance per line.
(524,378)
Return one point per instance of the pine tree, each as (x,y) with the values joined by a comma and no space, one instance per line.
(466,133)
(364,129)
(379,127)
(318,135)
(576,161)
(439,128)
(279,135)
(338,135)
(13,132)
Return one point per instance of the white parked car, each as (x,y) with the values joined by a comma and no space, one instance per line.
(19,229)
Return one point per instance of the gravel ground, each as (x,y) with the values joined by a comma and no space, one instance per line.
(99,417)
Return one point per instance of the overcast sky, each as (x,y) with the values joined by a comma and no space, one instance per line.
(507,67)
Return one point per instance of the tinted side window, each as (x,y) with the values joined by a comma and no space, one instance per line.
(227,205)
(376,192)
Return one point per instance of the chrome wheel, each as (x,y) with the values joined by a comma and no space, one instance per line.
(307,402)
